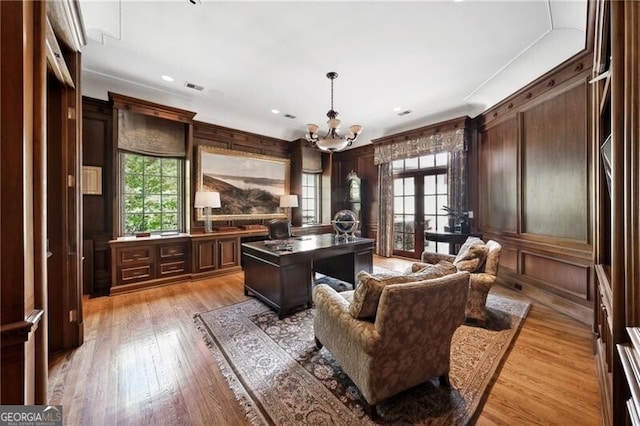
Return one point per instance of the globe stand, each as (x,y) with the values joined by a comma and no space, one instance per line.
(345,223)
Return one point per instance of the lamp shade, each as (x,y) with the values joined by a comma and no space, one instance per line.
(207,199)
(288,201)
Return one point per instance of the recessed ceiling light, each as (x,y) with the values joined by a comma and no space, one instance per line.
(167,78)
(275,111)
(396,109)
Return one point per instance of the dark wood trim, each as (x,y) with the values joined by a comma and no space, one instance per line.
(16,333)
(150,108)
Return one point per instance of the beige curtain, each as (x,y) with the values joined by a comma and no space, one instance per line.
(384,243)
(454,142)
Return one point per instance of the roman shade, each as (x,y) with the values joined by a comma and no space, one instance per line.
(149,135)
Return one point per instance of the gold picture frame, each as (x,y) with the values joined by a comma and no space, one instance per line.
(91,180)
(249,184)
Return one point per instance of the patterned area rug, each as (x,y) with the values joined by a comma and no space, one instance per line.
(279,376)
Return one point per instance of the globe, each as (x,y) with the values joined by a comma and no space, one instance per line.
(345,222)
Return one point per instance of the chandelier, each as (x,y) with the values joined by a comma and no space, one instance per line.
(332,141)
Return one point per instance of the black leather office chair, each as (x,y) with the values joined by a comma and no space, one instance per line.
(279,229)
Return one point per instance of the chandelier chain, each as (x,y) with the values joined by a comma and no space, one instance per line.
(332,94)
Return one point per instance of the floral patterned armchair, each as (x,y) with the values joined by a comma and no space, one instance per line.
(480,281)
(407,343)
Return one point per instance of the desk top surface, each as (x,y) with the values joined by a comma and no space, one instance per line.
(307,243)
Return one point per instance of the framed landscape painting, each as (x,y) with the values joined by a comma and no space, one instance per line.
(250,185)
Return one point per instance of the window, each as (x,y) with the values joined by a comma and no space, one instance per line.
(151,198)
(310,198)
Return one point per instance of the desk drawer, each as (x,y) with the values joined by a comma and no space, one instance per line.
(136,274)
(173,250)
(136,254)
(172,268)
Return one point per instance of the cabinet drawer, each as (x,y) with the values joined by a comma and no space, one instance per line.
(173,250)
(136,254)
(136,274)
(171,268)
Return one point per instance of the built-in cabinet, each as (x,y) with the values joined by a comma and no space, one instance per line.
(215,254)
(148,262)
(616,137)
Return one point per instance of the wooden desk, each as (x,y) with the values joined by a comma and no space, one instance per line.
(454,239)
(283,279)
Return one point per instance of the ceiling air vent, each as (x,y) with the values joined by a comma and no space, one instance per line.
(405,112)
(289,116)
(194,86)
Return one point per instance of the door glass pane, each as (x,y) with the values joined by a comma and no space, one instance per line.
(409,205)
(398,205)
(398,187)
(430,204)
(442,159)
(411,163)
(426,161)
(430,184)
(409,188)
(441,185)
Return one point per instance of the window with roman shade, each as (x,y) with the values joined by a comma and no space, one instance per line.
(152,158)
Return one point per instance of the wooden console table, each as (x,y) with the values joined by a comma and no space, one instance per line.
(455,239)
(283,279)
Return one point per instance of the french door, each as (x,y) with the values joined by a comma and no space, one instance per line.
(418,198)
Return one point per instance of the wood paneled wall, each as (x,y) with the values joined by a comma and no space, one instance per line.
(534,188)
(97,146)
(223,137)
(360,160)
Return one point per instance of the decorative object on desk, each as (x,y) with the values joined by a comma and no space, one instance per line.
(207,201)
(345,223)
(303,382)
(287,202)
(279,245)
(250,185)
(332,141)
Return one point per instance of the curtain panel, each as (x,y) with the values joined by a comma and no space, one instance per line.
(454,142)
(384,243)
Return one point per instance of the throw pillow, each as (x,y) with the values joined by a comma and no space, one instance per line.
(443,266)
(472,255)
(369,288)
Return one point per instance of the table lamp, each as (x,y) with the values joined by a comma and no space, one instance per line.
(287,201)
(207,201)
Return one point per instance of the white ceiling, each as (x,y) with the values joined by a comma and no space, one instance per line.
(439,59)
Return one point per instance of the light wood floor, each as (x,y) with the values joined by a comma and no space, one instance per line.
(144,363)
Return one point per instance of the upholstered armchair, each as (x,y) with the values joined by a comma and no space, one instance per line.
(480,281)
(407,343)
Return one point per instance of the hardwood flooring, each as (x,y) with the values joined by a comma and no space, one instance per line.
(144,363)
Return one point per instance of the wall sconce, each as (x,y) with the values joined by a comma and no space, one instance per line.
(287,201)
(207,201)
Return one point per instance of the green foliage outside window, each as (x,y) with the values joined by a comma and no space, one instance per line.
(151,189)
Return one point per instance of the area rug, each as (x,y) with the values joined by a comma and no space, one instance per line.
(279,377)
